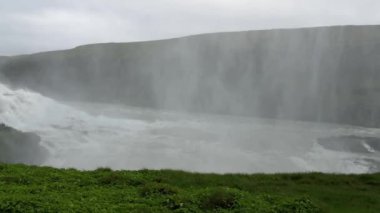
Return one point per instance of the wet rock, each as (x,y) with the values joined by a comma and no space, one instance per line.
(20,147)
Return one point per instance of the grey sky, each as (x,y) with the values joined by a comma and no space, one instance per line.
(31,26)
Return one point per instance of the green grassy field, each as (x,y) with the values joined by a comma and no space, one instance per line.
(42,189)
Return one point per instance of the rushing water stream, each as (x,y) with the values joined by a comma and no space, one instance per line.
(87,136)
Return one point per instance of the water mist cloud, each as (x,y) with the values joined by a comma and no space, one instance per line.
(32,26)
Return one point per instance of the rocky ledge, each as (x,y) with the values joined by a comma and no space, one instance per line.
(20,147)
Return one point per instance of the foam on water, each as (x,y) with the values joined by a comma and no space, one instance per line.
(88,136)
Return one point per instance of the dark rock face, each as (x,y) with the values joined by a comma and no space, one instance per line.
(3,59)
(328,74)
(19,147)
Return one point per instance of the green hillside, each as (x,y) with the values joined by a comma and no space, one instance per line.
(43,189)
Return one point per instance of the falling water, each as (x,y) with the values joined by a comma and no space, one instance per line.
(259,101)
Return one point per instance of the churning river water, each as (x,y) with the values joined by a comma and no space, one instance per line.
(88,136)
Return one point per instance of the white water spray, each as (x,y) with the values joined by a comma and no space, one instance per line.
(135,138)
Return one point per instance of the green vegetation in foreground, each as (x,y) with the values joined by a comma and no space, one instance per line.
(42,189)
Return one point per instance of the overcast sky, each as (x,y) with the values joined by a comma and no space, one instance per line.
(28,26)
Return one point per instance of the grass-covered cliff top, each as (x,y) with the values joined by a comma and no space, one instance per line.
(42,189)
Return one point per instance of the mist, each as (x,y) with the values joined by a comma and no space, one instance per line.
(286,100)
(45,25)
(326,74)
